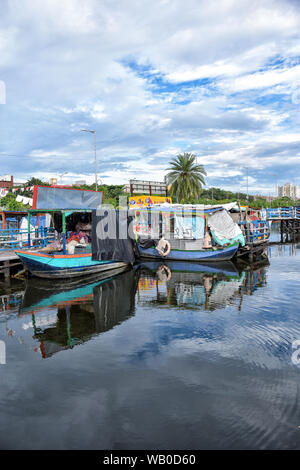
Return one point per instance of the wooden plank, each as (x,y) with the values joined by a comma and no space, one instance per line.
(8,266)
(8,255)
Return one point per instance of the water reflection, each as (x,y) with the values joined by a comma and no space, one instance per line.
(205,287)
(279,237)
(283,249)
(83,311)
(175,355)
(11,295)
(64,315)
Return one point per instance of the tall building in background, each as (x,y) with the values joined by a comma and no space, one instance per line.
(288,190)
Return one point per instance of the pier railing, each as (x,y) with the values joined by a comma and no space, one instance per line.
(255,231)
(284,213)
(11,239)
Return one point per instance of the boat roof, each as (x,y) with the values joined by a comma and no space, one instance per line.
(68,211)
(3,211)
(198,208)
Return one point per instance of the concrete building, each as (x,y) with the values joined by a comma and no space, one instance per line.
(288,190)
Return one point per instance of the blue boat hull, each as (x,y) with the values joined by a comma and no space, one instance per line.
(222,254)
(64,266)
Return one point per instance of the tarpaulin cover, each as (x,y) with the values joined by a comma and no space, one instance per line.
(223,229)
(112,236)
(63,198)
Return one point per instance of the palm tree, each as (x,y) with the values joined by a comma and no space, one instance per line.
(186,177)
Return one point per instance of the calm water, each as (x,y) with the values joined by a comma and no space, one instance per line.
(174,357)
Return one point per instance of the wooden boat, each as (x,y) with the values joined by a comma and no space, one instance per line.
(64,265)
(219,254)
(185,228)
(61,264)
(77,249)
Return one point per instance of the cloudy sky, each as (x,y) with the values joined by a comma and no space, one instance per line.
(153,78)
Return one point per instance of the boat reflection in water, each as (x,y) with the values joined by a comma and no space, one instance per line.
(70,313)
(81,310)
(204,287)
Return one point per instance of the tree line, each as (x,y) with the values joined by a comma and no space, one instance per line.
(185,180)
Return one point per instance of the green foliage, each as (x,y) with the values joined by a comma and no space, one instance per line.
(22,191)
(221,194)
(111,193)
(278,202)
(260,203)
(36,181)
(186,177)
(9,203)
(283,202)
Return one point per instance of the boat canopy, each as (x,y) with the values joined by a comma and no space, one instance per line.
(189,221)
(59,220)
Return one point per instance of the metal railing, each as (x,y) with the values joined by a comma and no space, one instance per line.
(11,239)
(284,213)
(255,230)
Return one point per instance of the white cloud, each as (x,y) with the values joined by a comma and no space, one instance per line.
(123,69)
(265,79)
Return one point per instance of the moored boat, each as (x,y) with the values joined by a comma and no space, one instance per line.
(70,254)
(218,254)
(187,233)
(64,265)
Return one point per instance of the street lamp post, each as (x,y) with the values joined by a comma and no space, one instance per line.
(95,142)
(61,176)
